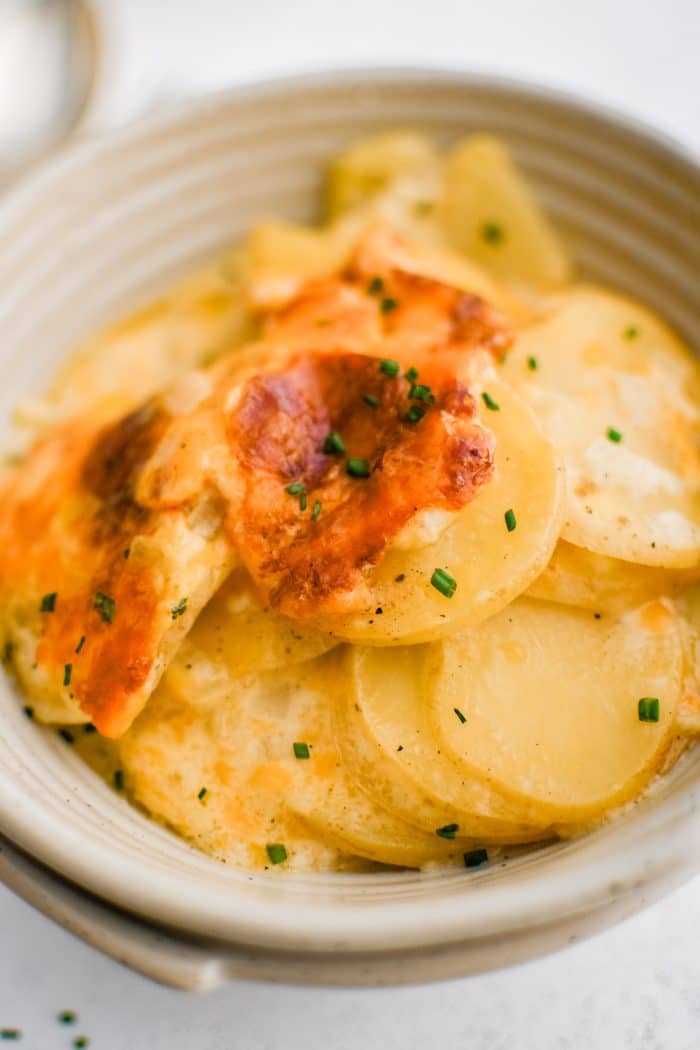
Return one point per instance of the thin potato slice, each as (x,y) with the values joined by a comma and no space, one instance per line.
(576,576)
(550,697)
(489,213)
(490,564)
(619,395)
(388,745)
(238,631)
(236,739)
(370,166)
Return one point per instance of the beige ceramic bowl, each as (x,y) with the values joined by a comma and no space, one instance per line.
(103,228)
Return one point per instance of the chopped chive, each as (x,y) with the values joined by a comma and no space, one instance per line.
(303,501)
(400,578)
(295,488)
(105,606)
(489,402)
(10,1033)
(492,233)
(276,852)
(67,735)
(179,609)
(48,602)
(389,367)
(301,750)
(67,674)
(28,712)
(613,435)
(510,520)
(375,286)
(89,728)
(201,794)
(8,652)
(118,779)
(371,400)
(80,644)
(67,1017)
(421,392)
(127,552)
(475,857)
(388,305)
(412,375)
(81,1042)
(334,444)
(443,582)
(459,714)
(358,468)
(414,414)
(315,513)
(448,831)
(532,364)
(648,709)
(631,332)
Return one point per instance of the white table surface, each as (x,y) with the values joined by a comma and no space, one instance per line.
(636,987)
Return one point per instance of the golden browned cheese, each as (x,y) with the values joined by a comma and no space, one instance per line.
(134,525)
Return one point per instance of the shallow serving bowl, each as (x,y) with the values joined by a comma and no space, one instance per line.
(105,227)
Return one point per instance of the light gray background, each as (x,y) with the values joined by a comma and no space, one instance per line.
(633,988)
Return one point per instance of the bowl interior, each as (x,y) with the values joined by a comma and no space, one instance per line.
(103,229)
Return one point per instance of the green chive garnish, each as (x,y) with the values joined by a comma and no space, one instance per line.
(301,750)
(67,1017)
(28,712)
(295,489)
(375,286)
(613,435)
(10,1033)
(48,602)
(80,644)
(179,609)
(532,364)
(316,510)
(510,520)
(475,857)
(443,582)
(648,709)
(412,375)
(8,652)
(276,852)
(201,794)
(118,779)
(89,728)
(81,1042)
(459,714)
(67,735)
(67,674)
(357,468)
(388,305)
(105,606)
(389,367)
(489,402)
(334,444)
(414,414)
(421,392)
(448,831)
(631,332)
(492,233)
(303,501)
(371,400)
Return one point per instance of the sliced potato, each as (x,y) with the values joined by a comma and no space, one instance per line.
(489,212)
(549,695)
(490,564)
(370,165)
(388,746)
(238,631)
(619,395)
(576,576)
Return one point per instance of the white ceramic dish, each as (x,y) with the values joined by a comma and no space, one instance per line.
(103,228)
